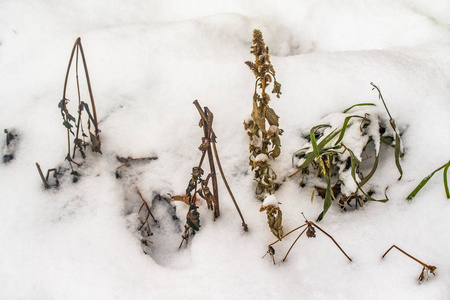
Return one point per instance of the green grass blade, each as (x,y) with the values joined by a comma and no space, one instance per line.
(422,183)
(447,192)
(328,196)
(398,150)
(354,163)
(313,138)
(374,168)
(344,127)
(328,139)
(360,104)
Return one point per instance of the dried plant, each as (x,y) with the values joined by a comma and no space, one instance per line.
(264,141)
(335,153)
(74,126)
(10,145)
(310,233)
(426,179)
(143,230)
(274,215)
(198,187)
(145,227)
(425,270)
(46,179)
(125,162)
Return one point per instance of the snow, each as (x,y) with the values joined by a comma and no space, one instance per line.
(148,61)
(261,158)
(271,200)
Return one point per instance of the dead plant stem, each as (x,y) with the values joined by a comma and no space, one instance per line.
(42,176)
(410,256)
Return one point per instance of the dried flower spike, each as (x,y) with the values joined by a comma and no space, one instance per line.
(265,141)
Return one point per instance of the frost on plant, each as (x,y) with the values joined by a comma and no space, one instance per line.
(339,150)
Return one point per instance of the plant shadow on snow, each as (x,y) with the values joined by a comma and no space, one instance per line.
(151,217)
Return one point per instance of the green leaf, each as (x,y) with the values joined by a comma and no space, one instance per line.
(374,168)
(360,104)
(447,192)
(313,138)
(427,178)
(344,127)
(398,148)
(354,163)
(329,195)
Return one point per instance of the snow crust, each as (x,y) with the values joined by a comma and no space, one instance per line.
(148,61)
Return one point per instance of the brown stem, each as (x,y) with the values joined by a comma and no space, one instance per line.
(332,240)
(410,256)
(207,118)
(296,172)
(94,111)
(201,159)
(64,91)
(146,205)
(79,103)
(130,159)
(294,243)
(295,229)
(42,176)
(228,187)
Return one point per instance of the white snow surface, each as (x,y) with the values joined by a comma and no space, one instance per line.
(148,61)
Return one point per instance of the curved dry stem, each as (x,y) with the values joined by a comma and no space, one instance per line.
(294,243)
(332,240)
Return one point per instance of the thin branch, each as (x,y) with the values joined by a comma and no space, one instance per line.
(410,256)
(228,187)
(332,240)
(146,205)
(294,243)
(130,159)
(42,176)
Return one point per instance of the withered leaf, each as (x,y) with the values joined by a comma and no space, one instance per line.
(259,119)
(271,116)
(252,67)
(67,124)
(71,118)
(311,232)
(184,198)
(193,218)
(277,89)
(275,152)
(96,144)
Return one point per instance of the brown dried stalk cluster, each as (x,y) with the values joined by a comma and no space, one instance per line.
(76,133)
(199,186)
(264,140)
